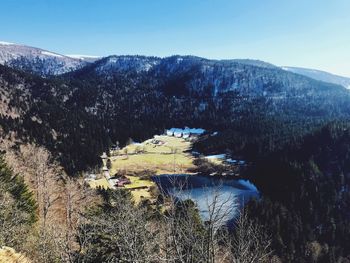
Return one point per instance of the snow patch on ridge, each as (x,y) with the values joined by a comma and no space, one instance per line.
(6,43)
(51,54)
(82,56)
(285,68)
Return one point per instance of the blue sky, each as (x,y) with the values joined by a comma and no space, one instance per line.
(305,33)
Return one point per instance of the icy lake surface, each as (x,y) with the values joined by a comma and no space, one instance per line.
(223,196)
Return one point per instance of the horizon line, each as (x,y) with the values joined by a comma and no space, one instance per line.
(76,56)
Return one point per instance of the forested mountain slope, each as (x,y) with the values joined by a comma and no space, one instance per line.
(306,193)
(36,109)
(218,95)
(77,115)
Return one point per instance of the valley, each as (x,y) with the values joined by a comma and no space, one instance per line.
(135,166)
(165,164)
(285,134)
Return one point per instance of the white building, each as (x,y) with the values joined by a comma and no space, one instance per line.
(184,133)
(170,132)
(178,133)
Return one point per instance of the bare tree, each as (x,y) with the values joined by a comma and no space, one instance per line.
(187,238)
(220,210)
(46,175)
(120,233)
(77,197)
(43,246)
(47,181)
(184,237)
(250,243)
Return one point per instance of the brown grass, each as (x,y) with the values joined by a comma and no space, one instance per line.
(9,255)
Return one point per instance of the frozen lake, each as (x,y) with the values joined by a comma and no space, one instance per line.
(224,197)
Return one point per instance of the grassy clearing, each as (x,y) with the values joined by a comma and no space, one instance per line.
(139,194)
(99,183)
(161,163)
(168,157)
(169,144)
(162,154)
(159,158)
(137,182)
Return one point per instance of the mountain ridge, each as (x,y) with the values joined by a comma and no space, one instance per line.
(36,60)
(47,63)
(320,75)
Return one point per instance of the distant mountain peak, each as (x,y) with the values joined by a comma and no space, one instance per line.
(320,75)
(36,60)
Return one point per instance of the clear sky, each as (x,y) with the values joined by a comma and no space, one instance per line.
(304,33)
